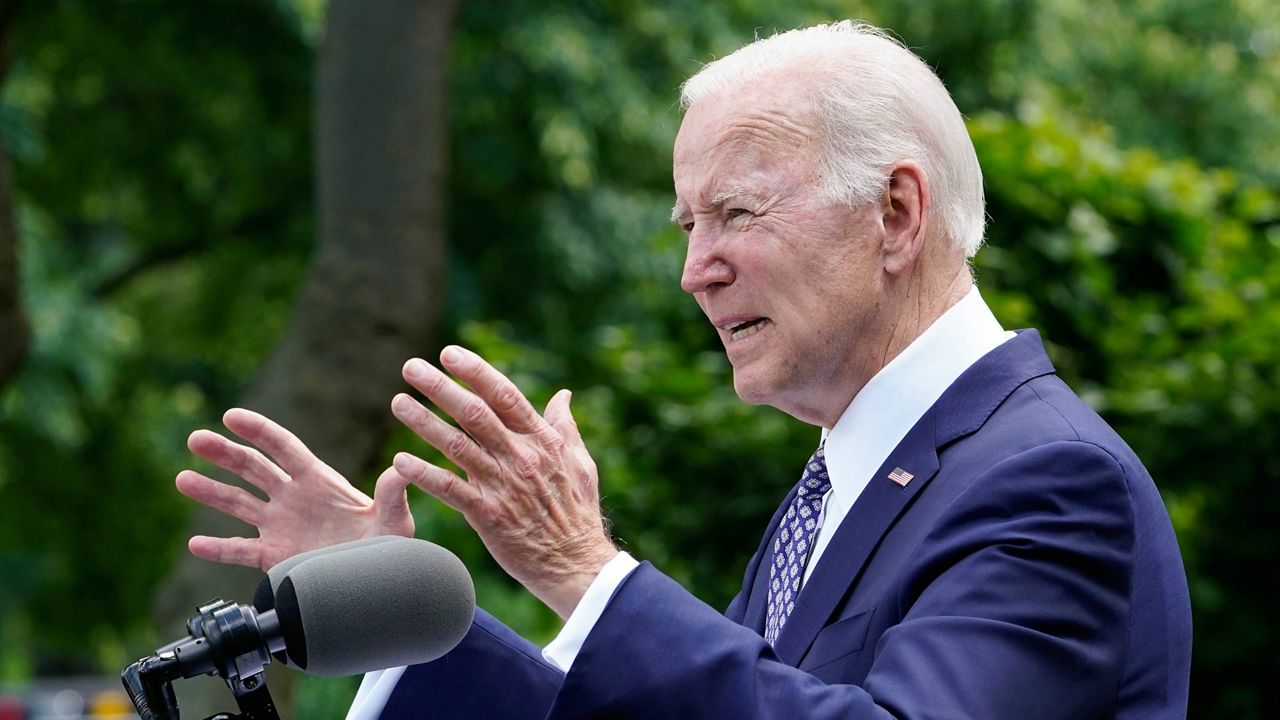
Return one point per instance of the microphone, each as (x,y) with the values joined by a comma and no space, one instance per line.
(400,602)
(352,608)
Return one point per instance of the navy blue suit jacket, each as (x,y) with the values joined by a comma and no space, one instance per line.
(1028,570)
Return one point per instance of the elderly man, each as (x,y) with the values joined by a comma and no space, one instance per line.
(969,540)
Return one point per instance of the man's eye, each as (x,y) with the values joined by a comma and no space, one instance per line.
(735,213)
(687,227)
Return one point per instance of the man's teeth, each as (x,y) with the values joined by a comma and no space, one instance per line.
(746,329)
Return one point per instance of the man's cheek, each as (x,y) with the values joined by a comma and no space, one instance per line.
(772,224)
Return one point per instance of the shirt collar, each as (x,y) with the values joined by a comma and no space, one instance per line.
(891,403)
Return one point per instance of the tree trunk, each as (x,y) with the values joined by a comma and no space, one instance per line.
(13,322)
(373,294)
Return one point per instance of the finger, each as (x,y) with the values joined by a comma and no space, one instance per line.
(236,502)
(455,444)
(560,417)
(235,458)
(391,503)
(438,482)
(283,446)
(471,412)
(231,550)
(496,389)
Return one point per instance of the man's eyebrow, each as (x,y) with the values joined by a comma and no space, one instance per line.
(679,210)
(725,196)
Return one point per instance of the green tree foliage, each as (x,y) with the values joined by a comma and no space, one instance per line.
(161,154)
(1129,151)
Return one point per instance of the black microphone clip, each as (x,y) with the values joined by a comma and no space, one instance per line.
(232,641)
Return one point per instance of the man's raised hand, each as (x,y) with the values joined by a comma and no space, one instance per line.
(309,505)
(531,491)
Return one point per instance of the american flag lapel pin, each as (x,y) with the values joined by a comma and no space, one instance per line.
(900,476)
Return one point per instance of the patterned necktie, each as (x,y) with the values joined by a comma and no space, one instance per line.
(792,545)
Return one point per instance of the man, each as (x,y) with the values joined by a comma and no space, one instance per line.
(969,540)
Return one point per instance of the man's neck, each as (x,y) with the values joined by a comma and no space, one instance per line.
(920,305)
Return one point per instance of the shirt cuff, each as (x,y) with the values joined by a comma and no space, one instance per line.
(562,651)
(375,690)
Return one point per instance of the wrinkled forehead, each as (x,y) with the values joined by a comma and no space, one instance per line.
(739,137)
(777,106)
(736,129)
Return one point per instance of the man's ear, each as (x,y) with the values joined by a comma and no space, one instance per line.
(905,209)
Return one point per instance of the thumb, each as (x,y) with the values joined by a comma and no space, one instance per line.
(391,503)
(560,417)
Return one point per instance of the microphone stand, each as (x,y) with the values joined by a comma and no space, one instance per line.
(253,699)
(231,641)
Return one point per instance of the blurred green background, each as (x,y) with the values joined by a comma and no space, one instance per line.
(239,201)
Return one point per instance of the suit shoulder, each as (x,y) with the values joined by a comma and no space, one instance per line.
(1045,410)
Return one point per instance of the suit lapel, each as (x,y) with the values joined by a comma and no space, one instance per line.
(961,410)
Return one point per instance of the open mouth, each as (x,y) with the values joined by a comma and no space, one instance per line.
(746,328)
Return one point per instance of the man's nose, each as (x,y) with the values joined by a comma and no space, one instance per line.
(704,265)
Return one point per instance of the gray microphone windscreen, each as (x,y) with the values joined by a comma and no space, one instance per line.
(264,597)
(374,607)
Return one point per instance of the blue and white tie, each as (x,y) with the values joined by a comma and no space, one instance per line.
(793,543)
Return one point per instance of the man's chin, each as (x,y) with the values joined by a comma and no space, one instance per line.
(752,389)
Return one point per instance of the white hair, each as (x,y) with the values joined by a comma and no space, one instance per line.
(877,104)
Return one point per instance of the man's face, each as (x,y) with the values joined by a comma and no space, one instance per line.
(792,283)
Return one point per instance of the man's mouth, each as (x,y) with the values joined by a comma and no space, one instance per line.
(746,328)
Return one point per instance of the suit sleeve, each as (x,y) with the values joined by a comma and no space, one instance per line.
(492,673)
(1013,606)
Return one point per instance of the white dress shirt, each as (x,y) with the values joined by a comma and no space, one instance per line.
(877,419)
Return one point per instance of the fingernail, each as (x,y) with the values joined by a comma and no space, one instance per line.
(403,462)
(416,369)
(402,404)
(451,355)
